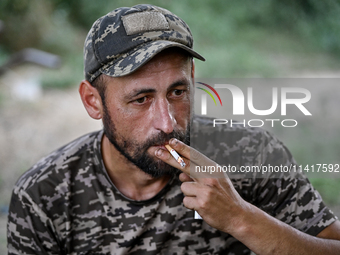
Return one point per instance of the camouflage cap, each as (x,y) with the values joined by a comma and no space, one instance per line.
(123,40)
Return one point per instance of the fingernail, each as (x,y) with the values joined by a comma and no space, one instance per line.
(173,141)
(159,152)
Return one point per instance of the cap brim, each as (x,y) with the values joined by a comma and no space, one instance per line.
(136,58)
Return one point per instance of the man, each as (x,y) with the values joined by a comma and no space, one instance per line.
(120,191)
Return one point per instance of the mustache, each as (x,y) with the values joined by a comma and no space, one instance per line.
(162,138)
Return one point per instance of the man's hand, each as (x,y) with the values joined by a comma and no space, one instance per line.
(219,204)
(212,196)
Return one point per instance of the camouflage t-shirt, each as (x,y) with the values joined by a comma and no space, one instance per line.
(67,204)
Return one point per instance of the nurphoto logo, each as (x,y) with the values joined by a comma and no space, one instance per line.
(204,97)
(280,99)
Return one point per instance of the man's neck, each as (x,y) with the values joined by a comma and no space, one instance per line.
(128,178)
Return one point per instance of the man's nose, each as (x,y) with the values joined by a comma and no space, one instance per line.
(164,118)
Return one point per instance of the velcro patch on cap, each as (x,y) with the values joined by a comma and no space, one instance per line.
(141,22)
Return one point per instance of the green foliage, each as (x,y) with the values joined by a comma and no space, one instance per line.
(238,38)
(24,22)
(214,21)
(328,188)
(316,21)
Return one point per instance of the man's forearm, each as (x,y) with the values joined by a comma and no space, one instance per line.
(264,234)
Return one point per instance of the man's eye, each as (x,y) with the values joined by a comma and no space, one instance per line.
(178,92)
(140,100)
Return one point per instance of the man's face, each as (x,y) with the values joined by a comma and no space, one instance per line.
(144,110)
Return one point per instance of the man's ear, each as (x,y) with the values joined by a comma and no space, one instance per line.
(91,100)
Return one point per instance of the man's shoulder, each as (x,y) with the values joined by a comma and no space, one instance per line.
(59,163)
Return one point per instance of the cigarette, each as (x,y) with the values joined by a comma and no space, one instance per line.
(182,163)
(175,155)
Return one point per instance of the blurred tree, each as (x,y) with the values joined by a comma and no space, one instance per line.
(24,23)
(318,22)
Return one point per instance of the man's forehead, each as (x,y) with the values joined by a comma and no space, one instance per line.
(150,85)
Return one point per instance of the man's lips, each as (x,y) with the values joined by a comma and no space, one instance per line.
(162,146)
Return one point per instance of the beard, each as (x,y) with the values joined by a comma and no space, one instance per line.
(137,152)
